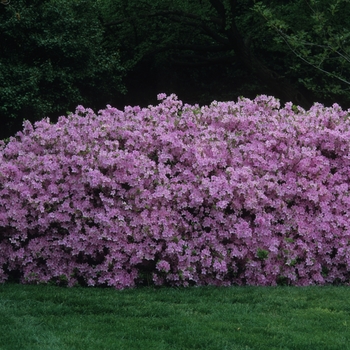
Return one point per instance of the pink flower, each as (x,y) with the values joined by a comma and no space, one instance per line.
(161,96)
(192,190)
(163,266)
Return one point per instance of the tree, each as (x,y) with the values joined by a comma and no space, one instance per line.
(198,33)
(56,54)
(316,33)
(234,34)
(52,59)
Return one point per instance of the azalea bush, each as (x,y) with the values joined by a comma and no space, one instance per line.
(244,192)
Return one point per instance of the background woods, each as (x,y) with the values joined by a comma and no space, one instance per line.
(58,54)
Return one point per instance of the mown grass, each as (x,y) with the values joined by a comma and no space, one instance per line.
(239,318)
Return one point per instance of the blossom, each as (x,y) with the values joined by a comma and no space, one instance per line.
(188,193)
(163,266)
(161,96)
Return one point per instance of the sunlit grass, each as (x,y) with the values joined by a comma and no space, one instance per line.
(48,317)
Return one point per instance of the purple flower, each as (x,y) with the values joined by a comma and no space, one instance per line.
(189,193)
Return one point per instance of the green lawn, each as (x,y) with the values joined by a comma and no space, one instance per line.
(48,317)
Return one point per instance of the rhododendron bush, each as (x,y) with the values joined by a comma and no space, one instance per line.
(232,193)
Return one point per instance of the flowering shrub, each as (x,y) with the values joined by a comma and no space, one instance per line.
(231,193)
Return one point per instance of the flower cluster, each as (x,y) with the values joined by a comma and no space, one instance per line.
(232,193)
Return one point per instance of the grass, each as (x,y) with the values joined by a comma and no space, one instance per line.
(238,318)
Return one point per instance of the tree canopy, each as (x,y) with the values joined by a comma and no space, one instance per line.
(316,35)
(52,59)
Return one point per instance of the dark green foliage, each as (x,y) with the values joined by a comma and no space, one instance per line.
(314,38)
(52,59)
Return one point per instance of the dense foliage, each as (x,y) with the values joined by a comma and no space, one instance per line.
(231,193)
(52,59)
(314,35)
